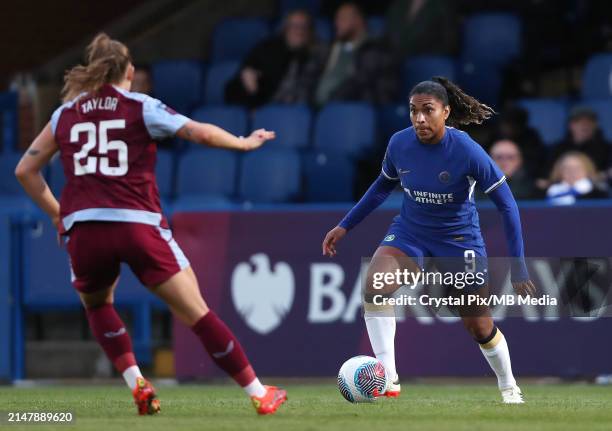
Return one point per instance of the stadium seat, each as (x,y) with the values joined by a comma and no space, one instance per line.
(164,173)
(178,83)
(423,68)
(345,127)
(481,80)
(391,119)
(290,122)
(233,38)
(311,6)
(377,26)
(217,77)
(324,30)
(231,118)
(491,37)
(603,109)
(9,126)
(548,117)
(8,182)
(329,177)
(270,176)
(597,77)
(56,178)
(206,171)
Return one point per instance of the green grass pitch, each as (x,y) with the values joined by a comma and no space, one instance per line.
(320,407)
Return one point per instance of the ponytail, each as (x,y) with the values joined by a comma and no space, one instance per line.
(107,61)
(465,109)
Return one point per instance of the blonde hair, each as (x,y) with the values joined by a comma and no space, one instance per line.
(107,61)
(587,163)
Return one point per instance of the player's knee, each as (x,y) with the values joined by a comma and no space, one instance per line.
(479,329)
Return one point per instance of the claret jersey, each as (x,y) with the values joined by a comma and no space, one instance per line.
(108,148)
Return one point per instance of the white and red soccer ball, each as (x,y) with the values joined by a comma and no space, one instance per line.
(362,379)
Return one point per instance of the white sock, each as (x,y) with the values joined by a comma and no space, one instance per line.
(498,358)
(130,375)
(255,388)
(381,330)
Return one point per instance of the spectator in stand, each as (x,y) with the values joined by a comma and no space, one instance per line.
(513,125)
(585,136)
(412,24)
(142,82)
(508,156)
(357,67)
(278,69)
(573,178)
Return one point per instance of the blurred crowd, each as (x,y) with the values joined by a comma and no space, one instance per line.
(575,168)
(294,66)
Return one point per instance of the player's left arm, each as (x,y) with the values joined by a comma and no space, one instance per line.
(29,173)
(493,182)
(504,201)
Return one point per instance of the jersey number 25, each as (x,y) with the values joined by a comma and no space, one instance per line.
(104,146)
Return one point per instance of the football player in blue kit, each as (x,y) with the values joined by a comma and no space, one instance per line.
(438,167)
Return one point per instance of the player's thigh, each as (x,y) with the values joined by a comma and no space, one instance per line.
(182,294)
(159,263)
(468,262)
(99,297)
(94,265)
(151,253)
(387,262)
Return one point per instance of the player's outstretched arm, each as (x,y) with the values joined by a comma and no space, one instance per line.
(28,172)
(376,195)
(505,203)
(213,136)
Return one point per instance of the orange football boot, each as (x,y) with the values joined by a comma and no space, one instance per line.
(145,398)
(271,401)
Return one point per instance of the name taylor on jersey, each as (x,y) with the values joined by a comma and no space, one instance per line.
(99,103)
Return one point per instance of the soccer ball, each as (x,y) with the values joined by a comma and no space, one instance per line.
(362,378)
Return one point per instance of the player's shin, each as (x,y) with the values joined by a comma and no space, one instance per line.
(380,322)
(495,350)
(227,353)
(111,333)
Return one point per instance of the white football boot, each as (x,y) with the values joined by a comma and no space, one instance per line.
(512,395)
(394,389)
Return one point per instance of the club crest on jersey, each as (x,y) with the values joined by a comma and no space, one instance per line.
(444,177)
(167,108)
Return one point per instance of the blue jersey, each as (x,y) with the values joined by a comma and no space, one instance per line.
(438,181)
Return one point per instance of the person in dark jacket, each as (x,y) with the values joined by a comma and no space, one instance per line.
(583,135)
(356,67)
(507,155)
(513,125)
(276,69)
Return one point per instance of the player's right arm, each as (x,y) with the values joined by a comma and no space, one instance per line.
(380,189)
(29,173)
(211,135)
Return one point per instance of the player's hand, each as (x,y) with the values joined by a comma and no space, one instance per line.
(257,139)
(525,288)
(332,237)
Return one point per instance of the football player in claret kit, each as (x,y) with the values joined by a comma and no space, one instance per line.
(438,167)
(110,211)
